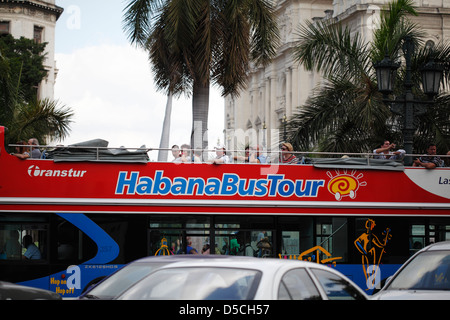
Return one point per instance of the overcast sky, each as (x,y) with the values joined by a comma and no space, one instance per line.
(108,83)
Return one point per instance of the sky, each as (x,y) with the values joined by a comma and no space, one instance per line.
(108,82)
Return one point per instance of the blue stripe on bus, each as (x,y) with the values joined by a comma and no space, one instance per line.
(108,249)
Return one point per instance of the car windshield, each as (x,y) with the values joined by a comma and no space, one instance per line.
(196,284)
(122,280)
(429,270)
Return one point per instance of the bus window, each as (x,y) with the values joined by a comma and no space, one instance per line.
(290,245)
(253,243)
(68,241)
(417,238)
(23,241)
(10,243)
(35,238)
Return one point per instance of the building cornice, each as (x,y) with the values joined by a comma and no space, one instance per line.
(350,11)
(47,7)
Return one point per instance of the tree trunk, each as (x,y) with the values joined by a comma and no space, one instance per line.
(200,105)
(165,134)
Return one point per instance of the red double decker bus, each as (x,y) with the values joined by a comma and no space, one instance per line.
(89,212)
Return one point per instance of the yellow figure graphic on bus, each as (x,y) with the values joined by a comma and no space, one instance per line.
(372,250)
(164,249)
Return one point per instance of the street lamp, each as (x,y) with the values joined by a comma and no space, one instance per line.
(406,105)
(431,78)
(386,75)
(264,133)
(284,120)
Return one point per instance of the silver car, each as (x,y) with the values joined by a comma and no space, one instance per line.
(243,278)
(113,285)
(425,276)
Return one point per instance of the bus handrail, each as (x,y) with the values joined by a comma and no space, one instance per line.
(276,153)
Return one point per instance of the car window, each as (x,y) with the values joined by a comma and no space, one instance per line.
(122,280)
(427,271)
(297,285)
(335,287)
(186,283)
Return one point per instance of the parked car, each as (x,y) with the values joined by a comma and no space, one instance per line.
(425,276)
(230,278)
(11,291)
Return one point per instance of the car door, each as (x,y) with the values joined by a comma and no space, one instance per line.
(336,287)
(296,284)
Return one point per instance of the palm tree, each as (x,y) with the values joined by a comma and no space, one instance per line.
(7,90)
(346,112)
(167,75)
(45,119)
(213,42)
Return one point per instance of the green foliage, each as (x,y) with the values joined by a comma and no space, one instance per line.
(26,59)
(25,117)
(46,120)
(346,112)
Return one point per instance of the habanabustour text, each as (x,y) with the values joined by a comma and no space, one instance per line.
(131,183)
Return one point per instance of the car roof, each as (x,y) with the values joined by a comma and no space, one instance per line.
(270,267)
(229,262)
(443,245)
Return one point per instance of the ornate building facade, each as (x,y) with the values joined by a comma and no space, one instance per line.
(274,93)
(34,20)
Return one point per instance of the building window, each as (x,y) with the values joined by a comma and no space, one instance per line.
(4,27)
(38,34)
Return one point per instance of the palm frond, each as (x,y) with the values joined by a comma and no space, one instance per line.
(137,19)
(45,120)
(265,37)
(330,48)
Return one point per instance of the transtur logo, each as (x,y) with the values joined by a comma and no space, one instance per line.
(35,171)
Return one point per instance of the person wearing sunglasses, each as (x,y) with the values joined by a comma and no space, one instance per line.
(286,155)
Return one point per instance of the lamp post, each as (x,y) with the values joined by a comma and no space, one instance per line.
(284,121)
(406,105)
(264,134)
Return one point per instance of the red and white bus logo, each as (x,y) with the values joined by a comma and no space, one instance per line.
(35,171)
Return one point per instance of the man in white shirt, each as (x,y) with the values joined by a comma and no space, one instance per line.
(221,156)
(386,151)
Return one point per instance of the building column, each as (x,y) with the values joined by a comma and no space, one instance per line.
(288,92)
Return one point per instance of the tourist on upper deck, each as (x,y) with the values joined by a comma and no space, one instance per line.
(221,156)
(35,152)
(185,153)
(252,155)
(286,156)
(386,151)
(176,153)
(429,161)
(245,158)
(197,156)
(21,150)
(256,156)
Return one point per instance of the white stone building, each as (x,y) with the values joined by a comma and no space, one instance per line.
(36,20)
(276,91)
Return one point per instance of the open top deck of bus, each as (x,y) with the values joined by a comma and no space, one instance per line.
(139,186)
